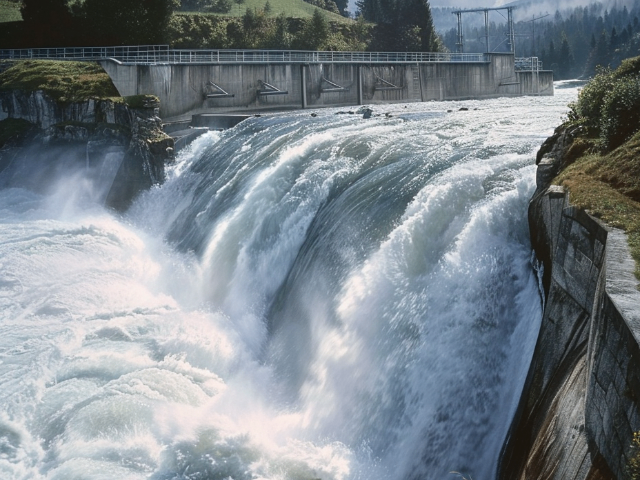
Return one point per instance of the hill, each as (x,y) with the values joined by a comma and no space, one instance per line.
(290,8)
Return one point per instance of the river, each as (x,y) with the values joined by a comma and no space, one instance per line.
(306,297)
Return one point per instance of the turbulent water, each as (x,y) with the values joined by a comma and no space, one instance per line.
(305,298)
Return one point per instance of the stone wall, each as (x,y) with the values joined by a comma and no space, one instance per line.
(580,404)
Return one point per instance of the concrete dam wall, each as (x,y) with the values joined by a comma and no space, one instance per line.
(183,88)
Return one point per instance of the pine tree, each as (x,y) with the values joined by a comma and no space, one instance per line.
(565,59)
(614,40)
(599,56)
(402,25)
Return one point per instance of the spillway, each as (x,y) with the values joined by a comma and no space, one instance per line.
(306,297)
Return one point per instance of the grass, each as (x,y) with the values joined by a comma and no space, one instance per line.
(65,82)
(608,187)
(9,11)
(13,129)
(141,101)
(291,8)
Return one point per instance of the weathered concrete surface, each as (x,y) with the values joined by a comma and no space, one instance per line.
(184,87)
(581,402)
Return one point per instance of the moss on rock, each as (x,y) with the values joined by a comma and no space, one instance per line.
(64,81)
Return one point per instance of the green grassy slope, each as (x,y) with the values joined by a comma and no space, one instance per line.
(9,11)
(63,81)
(291,8)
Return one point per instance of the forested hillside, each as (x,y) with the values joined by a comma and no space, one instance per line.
(384,25)
(571,42)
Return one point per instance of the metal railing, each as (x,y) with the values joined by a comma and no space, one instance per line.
(161,54)
(143,52)
(528,64)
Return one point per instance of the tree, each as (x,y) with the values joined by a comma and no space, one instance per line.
(280,37)
(565,58)
(598,56)
(315,32)
(44,11)
(614,40)
(127,22)
(49,23)
(402,25)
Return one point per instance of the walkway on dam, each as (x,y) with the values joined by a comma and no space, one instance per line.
(163,55)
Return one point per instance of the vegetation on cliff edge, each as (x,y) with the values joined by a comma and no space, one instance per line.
(603,163)
(63,81)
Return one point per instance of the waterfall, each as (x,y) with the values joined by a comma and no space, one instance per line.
(324,297)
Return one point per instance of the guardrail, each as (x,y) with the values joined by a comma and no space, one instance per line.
(161,54)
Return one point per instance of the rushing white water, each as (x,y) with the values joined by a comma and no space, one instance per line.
(305,298)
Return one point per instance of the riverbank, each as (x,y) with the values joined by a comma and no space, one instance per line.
(581,403)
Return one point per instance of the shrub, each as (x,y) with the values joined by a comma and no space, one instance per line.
(586,110)
(620,112)
(608,106)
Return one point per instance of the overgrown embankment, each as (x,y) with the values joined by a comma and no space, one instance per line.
(73,108)
(601,166)
(581,401)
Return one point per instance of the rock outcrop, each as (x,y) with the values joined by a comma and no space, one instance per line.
(105,135)
(581,401)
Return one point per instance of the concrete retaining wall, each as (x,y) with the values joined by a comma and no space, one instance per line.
(184,87)
(613,396)
(581,402)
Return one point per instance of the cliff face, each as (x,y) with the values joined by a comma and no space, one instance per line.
(581,402)
(125,147)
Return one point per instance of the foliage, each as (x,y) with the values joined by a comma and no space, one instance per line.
(256,30)
(620,113)
(217,6)
(197,31)
(603,172)
(402,25)
(291,9)
(600,33)
(141,101)
(43,11)
(314,34)
(63,81)
(123,22)
(9,11)
(609,105)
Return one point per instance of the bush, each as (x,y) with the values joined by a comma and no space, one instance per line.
(620,112)
(608,106)
(586,110)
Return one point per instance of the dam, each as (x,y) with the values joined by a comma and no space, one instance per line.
(224,81)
